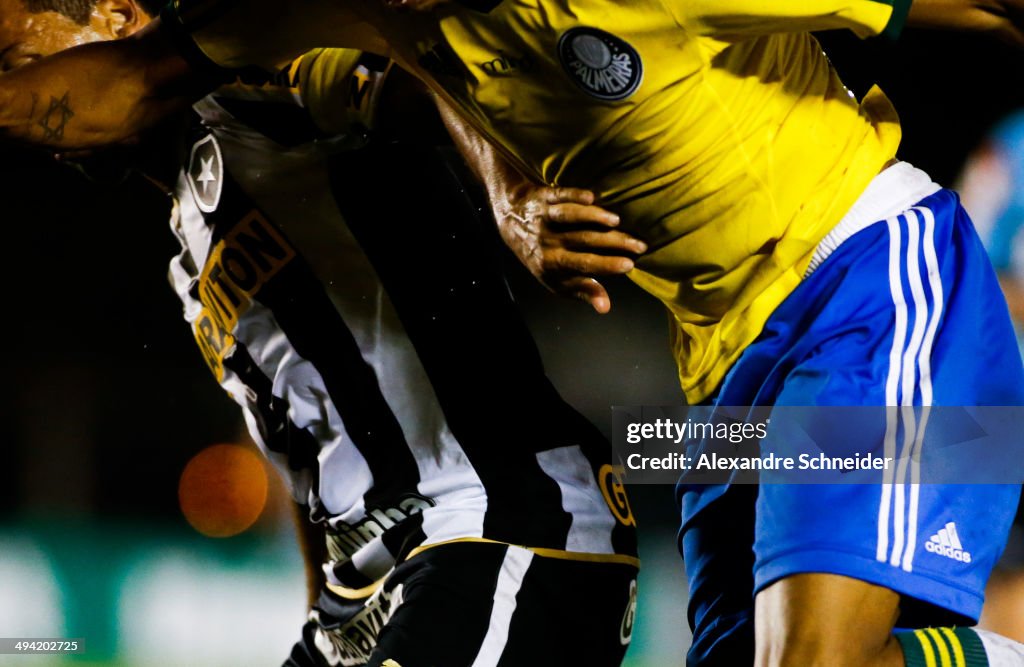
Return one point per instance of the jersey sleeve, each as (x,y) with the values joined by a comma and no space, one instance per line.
(341,87)
(264,33)
(732,19)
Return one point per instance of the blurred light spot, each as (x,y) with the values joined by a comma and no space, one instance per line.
(223,490)
(30,605)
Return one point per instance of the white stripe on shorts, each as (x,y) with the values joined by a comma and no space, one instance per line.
(909,380)
(924,363)
(510,579)
(892,385)
(911,368)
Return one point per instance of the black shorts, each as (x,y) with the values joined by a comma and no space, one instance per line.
(473,604)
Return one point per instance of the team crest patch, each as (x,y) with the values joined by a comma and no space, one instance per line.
(603,65)
(206,174)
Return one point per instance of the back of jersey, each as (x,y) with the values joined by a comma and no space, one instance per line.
(348,297)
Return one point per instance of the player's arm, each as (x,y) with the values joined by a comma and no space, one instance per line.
(1001,18)
(737,19)
(557,233)
(740,19)
(103,93)
(97,94)
(266,33)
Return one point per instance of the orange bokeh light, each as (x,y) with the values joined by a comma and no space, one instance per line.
(223,490)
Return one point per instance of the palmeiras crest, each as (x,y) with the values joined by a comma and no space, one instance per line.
(601,64)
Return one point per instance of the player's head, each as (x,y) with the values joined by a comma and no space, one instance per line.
(32,29)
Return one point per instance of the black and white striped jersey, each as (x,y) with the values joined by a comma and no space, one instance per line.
(348,296)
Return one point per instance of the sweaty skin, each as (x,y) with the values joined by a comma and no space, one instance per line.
(50,103)
(824,619)
(557,234)
(151,80)
(40,104)
(27,37)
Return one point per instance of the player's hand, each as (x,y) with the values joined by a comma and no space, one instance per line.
(566,241)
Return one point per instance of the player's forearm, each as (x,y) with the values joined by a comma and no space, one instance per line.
(501,180)
(557,233)
(1001,18)
(95,94)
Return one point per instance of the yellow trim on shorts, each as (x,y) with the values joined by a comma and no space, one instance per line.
(620,559)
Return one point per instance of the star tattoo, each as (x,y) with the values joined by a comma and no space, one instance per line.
(56,118)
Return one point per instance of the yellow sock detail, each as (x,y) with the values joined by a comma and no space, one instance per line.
(958,649)
(944,658)
(926,646)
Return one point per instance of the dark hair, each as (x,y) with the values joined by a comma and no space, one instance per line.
(76,10)
(79,10)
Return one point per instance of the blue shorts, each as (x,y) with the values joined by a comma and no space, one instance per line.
(909,304)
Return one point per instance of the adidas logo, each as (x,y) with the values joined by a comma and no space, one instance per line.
(947,543)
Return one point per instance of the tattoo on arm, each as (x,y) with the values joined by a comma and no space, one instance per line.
(56,117)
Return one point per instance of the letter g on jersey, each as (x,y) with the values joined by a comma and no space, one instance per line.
(614,492)
(601,64)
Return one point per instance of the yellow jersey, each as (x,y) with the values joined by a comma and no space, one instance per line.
(717,129)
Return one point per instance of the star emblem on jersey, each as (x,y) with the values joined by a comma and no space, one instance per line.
(601,64)
(947,543)
(206,174)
